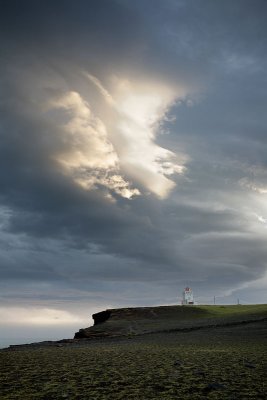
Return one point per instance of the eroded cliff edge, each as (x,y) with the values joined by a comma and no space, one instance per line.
(142,320)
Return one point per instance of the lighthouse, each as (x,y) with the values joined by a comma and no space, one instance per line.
(188,297)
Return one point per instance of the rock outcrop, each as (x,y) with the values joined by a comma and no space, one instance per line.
(101,317)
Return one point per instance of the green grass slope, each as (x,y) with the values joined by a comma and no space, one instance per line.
(141,320)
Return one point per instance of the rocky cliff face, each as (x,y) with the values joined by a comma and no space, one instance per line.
(128,321)
(141,320)
(101,317)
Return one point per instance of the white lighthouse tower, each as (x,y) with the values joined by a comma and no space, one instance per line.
(188,297)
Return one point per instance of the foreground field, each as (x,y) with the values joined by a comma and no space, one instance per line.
(219,363)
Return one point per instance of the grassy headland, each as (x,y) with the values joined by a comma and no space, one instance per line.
(141,320)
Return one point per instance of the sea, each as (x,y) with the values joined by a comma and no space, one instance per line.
(14,335)
(6,342)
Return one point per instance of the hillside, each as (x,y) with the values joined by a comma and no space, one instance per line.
(143,320)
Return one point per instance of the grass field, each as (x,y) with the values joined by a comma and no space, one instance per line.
(232,310)
(210,363)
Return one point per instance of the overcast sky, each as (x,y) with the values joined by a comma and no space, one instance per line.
(133,155)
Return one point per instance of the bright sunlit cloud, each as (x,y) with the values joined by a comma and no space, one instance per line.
(106,95)
(261,219)
(87,151)
(98,151)
(141,108)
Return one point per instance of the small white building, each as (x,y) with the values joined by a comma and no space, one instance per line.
(188,297)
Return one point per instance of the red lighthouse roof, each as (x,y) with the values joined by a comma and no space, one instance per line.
(187,289)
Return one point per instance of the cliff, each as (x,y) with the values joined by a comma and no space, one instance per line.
(142,320)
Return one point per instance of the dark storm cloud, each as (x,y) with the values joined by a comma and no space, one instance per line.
(209,228)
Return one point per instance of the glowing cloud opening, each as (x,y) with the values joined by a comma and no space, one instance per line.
(113,152)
